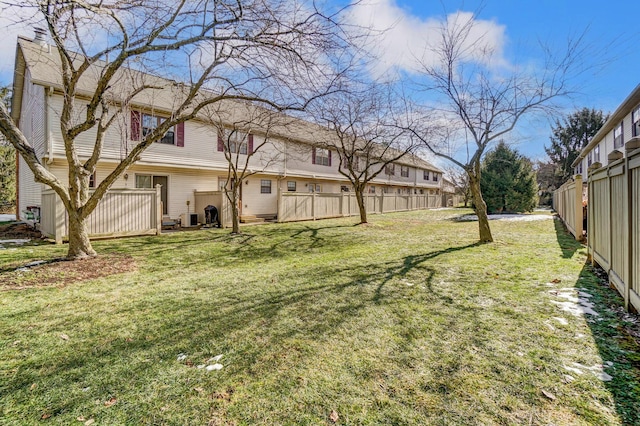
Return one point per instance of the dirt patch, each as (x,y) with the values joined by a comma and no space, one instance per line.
(19,230)
(62,272)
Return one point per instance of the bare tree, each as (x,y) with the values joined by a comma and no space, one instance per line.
(479,102)
(245,136)
(460,181)
(363,131)
(276,52)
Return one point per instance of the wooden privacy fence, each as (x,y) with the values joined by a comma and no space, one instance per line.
(567,202)
(614,224)
(121,212)
(212,198)
(294,206)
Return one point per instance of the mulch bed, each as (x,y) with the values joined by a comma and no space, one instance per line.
(56,272)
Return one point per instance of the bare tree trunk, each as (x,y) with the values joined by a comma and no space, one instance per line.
(361,205)
(480,208)
(79,243)
(232,196)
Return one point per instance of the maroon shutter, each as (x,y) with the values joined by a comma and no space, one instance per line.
(180,134)
(313,155)
(250,148)
(329,158)
(220,142)
(135,125)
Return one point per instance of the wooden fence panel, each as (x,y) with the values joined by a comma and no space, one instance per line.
(619,237)
(121,212)
(635,236)
(599,222)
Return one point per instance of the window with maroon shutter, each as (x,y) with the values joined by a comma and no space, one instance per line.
(321,156)
(250,137)
(180,134)
(135,125)
(220,141)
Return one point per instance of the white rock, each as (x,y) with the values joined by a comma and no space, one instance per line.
(182,357)
(214,367)
(567,378)
(215,358)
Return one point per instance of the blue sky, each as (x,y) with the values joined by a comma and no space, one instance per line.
(612,29)
(612,34)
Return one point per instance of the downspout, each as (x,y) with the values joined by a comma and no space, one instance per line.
(47,130)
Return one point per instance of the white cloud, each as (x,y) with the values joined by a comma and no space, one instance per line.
(403,40)
(14,21)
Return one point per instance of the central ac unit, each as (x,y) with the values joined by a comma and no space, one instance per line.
(188,219)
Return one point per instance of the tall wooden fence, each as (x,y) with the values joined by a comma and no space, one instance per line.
(121,212)
(614,224)
(294,206)
(567,202)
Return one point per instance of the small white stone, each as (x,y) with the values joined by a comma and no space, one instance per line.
(214,367)
(567,378)
(182,357)
(215,358)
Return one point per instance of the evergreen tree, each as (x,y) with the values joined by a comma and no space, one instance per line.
(569,137)
(7,165)
(508,182)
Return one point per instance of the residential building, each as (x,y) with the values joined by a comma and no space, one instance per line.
(190,157)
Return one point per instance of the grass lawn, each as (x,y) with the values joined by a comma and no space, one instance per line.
(403,321)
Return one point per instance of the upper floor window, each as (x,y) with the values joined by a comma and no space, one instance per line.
(321,156)
(425,174)
(151,122)
(390,169)
(435,177)
(635,118)
(404,171)
(237,143)
(578,169)
(617,136)
(92,180)
(143,124)
(590,158)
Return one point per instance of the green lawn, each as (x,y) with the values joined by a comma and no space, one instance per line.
(404,321)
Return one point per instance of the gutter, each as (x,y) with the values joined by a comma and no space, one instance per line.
(47,126)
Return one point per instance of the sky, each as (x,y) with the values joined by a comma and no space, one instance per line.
(511,27)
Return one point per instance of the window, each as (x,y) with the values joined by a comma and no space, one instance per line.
(425,174)
(355,163)
(143,181)
(291,186)
(92,180)
(372,190)
(635,118)
(315,187)
(399,191)
(390,169)
(596,153)
(617,136)
(435,177)
(578,169)
(151,122)
(265,186)
(386,190)
(590,158)
(321,156)
(404,171)
(238,143)
(344,188)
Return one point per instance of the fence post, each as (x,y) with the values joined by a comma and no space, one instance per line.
(279,204)
(59,214)
(578,204)
(158,210)
(313,205)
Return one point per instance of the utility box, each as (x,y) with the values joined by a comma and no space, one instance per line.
(189,219)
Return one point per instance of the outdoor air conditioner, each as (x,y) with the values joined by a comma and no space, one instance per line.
(188,219)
